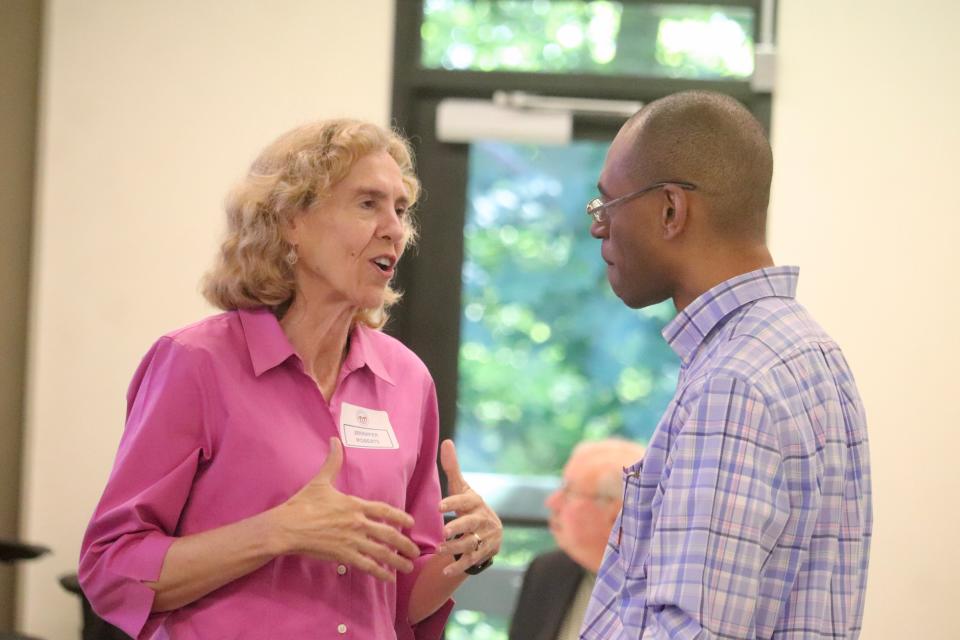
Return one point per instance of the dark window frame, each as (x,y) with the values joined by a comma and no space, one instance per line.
(428,318)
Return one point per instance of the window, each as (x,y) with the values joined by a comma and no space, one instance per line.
(614,38)
(548,355)
(506,298)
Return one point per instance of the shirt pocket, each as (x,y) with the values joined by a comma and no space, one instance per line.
(625,528)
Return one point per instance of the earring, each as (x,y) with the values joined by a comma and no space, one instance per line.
(291,256)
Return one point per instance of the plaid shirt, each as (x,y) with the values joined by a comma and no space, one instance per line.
(750,515)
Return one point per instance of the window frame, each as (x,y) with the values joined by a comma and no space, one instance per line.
(428,318)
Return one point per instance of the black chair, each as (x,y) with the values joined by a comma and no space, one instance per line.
(10,552)
(94,627)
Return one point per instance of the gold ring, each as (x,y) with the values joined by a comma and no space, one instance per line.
(479,541)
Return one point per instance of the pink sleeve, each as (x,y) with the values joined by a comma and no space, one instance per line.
(423,500)
(132,527)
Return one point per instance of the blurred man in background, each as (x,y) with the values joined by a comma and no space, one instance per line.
(557,585)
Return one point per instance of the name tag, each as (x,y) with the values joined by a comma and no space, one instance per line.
(366,428)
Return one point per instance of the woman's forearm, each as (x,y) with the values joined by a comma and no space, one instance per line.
(198,564)
(432,588)
(475,524)
(318,521)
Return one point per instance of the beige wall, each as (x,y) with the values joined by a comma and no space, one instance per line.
(19,59)
(866,135)
(151,109)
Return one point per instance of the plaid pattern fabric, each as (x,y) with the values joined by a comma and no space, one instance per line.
(750,515)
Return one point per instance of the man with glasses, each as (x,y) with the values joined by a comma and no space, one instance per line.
(750,515)
(557,585)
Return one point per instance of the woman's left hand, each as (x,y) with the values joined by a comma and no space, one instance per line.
(480,528)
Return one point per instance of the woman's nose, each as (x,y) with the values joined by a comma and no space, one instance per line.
(392,227)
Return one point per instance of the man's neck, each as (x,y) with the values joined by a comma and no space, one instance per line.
(718,266)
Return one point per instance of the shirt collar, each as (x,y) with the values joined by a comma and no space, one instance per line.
(267,343)
(687,331)
(364,353)
(269,347)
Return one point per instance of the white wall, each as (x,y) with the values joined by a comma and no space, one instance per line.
(865,142)
(152,109)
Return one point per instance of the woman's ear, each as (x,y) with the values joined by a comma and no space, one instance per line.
(673,219)
(290,229)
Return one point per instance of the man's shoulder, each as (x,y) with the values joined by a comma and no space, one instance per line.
(780,322)
(553,572)
(766,351)
(765,336)
(555,559)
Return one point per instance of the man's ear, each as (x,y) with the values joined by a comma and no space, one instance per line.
(673,216)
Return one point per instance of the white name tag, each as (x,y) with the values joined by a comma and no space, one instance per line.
(366,428)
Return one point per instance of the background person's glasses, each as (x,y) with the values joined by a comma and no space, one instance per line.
(597,208)
(567,493)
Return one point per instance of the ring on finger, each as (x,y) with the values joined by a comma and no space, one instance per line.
(479,541)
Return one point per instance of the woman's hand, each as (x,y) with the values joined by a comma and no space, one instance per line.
(322,522)
(480,530)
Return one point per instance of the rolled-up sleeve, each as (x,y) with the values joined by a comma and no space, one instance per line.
(423,500)
(163,443)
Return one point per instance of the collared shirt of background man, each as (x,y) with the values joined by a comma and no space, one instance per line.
(750,515)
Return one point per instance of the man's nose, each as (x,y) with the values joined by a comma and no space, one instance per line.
(553,500)
(599,229)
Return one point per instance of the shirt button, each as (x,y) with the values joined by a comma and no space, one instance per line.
(341,628)
(341,569)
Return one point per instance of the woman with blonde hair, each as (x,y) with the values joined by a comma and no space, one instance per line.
(276,477)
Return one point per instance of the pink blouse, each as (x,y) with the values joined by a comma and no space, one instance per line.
(223,424)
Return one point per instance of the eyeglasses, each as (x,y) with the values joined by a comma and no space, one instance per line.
(597,208)
(566,492)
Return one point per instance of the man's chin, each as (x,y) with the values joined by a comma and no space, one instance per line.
(636,300)
(628,298)
(616,287)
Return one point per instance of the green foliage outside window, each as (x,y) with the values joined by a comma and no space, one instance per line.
(475,625)
(523,544)
(548,356)
(572,36)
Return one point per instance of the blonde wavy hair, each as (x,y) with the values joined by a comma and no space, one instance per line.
(298,169)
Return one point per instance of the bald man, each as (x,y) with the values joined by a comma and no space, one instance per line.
(557,585)
(750,516)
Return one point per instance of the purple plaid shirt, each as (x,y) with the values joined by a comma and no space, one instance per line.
(750,515)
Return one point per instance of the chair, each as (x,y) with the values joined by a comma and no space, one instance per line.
(10,552)
(94,627)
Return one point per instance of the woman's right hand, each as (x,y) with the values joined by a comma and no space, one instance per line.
(322,522)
